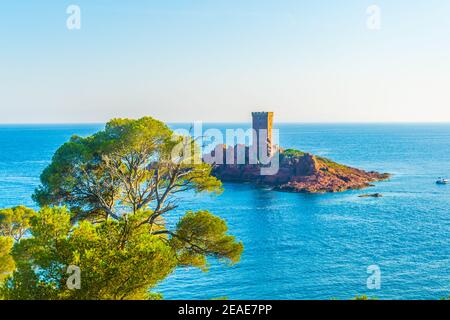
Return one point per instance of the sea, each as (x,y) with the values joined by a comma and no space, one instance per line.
(302,246)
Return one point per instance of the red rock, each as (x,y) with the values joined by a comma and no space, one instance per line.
(297,173)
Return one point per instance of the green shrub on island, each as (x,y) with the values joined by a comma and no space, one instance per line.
(321,160)
(104,199)
(363,297)
(293,153)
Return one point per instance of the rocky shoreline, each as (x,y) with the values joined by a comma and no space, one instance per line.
(302,173)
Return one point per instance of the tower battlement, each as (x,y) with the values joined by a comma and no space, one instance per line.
(261,113)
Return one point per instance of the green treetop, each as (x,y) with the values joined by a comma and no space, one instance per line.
(117,186)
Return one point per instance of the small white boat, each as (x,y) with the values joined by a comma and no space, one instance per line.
(442,181)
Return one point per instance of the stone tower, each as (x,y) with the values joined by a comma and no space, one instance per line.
(263,121)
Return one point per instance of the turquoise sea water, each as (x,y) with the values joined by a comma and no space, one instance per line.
(301,246)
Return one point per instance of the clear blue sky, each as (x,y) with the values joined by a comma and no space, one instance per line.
(218,60)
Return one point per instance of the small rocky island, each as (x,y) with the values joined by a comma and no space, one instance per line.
(301,172)
(297,171)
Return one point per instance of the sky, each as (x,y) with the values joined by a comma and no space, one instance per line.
(219,60)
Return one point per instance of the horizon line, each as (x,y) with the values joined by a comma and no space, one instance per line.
(230,122)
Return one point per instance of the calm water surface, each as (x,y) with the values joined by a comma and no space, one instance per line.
(303,246)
